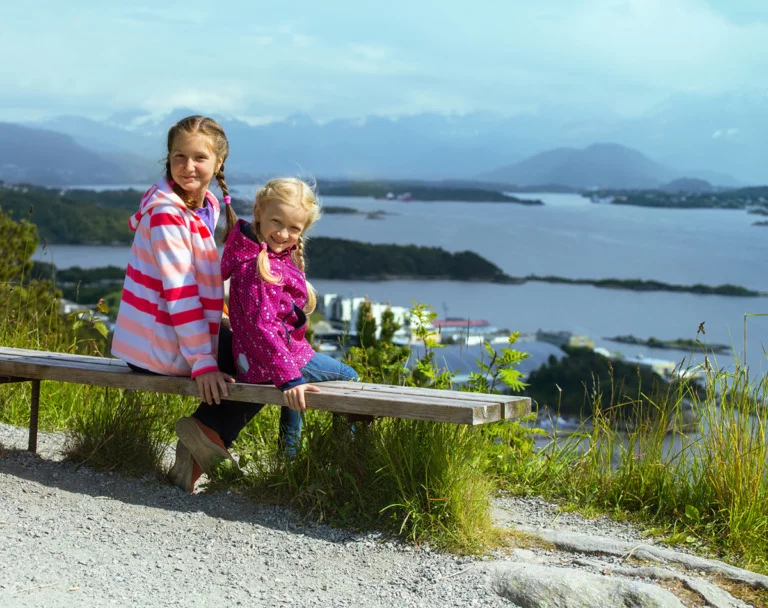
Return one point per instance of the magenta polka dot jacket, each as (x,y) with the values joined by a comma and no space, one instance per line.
(268,323)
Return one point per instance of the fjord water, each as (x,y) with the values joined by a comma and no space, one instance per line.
(569,236)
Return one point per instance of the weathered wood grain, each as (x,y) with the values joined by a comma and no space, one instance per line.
(342,397)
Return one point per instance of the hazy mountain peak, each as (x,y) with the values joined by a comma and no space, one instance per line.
(600,165)
(687,184)
(40,156)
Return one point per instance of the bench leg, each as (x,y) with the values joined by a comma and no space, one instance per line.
(34,413)
(34,408)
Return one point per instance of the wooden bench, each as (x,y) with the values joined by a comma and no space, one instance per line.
(21,365)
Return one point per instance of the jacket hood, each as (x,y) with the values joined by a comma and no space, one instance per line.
(162,194)
(242,247)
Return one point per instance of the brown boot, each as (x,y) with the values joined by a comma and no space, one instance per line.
(185,471)
(204,444)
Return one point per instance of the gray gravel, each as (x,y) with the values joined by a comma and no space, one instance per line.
(73,537)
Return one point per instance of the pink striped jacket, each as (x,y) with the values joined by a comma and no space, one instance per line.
(173,294)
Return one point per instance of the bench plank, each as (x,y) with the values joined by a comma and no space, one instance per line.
(342,397)
(99,364)
(6,351)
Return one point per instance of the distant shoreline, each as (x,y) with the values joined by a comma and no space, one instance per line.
(651,285)
(397,192)
(754,199)
(678,344)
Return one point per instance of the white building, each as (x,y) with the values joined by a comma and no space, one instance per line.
(343,312)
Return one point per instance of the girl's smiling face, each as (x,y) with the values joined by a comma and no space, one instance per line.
(280,224)
(193,163)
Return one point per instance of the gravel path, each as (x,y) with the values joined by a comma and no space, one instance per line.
(72,537)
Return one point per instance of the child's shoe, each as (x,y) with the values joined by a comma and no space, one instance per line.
(185,471)
(204,444)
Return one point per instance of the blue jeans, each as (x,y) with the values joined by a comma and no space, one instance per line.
(320,368)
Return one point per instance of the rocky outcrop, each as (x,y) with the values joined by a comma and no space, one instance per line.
(535,586)
(574,562)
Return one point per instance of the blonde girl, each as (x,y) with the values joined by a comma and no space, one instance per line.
(270,299)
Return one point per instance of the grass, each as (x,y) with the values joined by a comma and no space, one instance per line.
(432,482)
(708,488)
(746,593)
(425,482)
(121,429)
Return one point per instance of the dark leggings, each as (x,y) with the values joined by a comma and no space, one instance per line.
(229,417)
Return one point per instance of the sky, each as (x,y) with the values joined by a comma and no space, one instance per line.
(262,61)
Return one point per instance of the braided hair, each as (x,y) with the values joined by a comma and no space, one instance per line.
(220,147)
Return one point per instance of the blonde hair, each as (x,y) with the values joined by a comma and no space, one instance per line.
(219,146)
(295,193)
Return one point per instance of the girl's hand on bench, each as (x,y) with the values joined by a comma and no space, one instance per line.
(294,397)
(209,385)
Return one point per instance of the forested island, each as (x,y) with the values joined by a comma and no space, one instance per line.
(419,192)
(566,387)
(753,198)
(356,261)
(646,285)
(338,210)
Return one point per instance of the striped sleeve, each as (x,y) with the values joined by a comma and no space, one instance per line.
(172,247)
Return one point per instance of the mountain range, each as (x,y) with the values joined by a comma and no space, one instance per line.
(717,139)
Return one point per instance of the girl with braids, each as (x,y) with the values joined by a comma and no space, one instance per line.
(269,300)
(170,314)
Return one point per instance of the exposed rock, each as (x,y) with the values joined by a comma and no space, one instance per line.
(582,543)
(533,586)
(712,594)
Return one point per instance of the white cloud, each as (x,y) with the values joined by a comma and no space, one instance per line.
(372,52)
(221,100)
(259,39)
(298,39)
(164,17)
(407,56)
